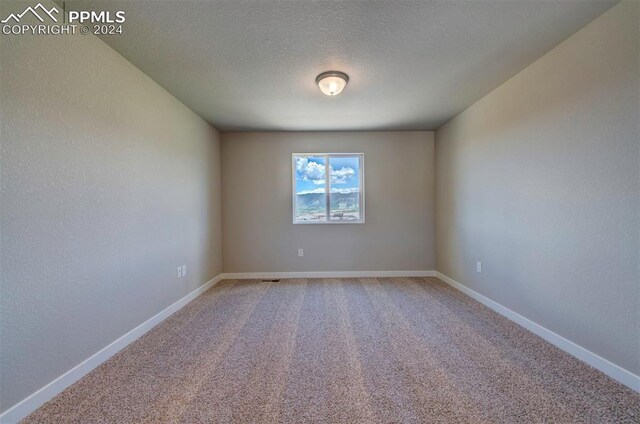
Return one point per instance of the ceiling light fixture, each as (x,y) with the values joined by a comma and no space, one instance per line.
(332,83)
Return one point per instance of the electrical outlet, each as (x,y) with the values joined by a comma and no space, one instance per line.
(478,266)
(184,270)
(300,253)
(179,269)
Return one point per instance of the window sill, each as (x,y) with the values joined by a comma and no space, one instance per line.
(327,222)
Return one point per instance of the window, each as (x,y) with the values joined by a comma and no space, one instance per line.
(328,188)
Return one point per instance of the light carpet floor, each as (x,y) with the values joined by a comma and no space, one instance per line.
(364,350)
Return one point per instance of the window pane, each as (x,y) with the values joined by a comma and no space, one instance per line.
(345,188)
(311,200)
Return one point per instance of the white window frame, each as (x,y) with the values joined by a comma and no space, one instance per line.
(327,180)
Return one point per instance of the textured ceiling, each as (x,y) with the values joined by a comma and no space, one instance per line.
(251,65)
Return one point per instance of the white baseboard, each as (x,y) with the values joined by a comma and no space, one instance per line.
(614,371)
(38,398)
(323,274)
(46,393)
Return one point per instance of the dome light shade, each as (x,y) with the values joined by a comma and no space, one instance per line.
(332,83)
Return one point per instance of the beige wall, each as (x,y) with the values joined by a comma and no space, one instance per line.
(108,183)
(399,189)
(540,181)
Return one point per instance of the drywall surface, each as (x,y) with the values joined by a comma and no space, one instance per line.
(258,233)
(412,64)
(108,184)
(540,181)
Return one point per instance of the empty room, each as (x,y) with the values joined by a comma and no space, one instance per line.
(298,211)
